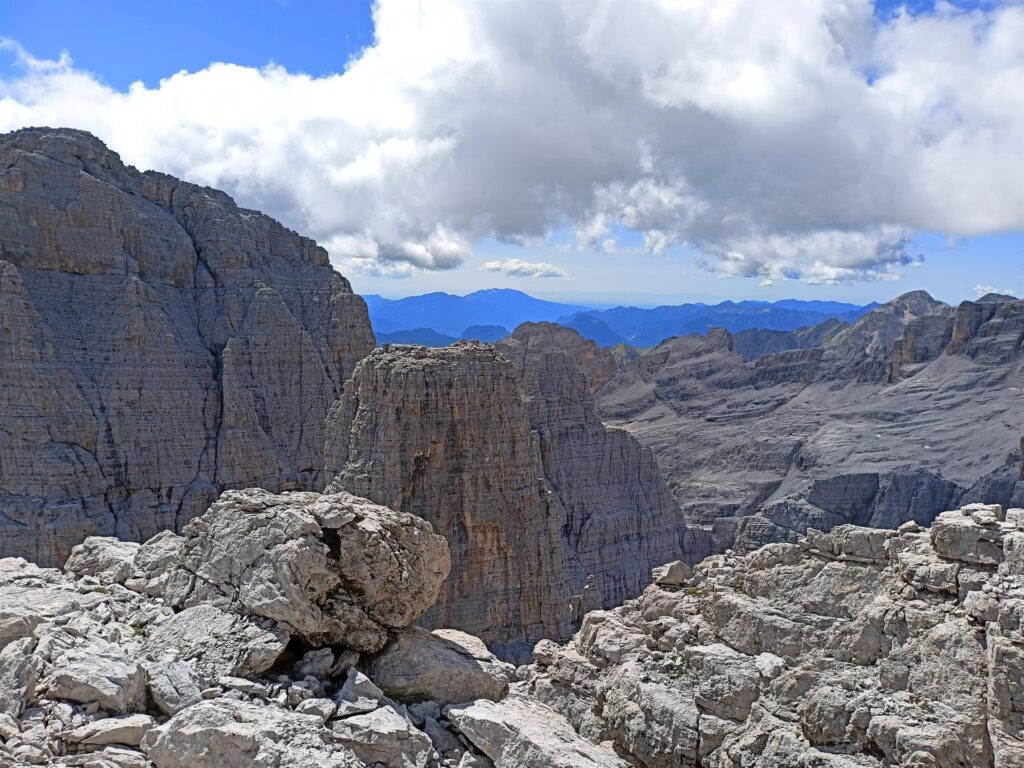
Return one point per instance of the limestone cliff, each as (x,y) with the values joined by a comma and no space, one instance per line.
(444,434)
(547,512)
(157,345)
(620,518)
(860,647)
(875,426)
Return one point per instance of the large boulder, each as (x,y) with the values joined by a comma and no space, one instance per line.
(446,666)
(520,733)
(223,733)
(331,569)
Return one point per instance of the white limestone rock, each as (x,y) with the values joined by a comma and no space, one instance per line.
(446,666)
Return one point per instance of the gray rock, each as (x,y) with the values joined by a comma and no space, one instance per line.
(330,568)
(446,666)
(127,730)
(219,643)
(862,646)
(173,685)
(520,733)
(163,344)
(231,734)
(90,671)
(106,559)
(322,708)
(357,694)
(384,737)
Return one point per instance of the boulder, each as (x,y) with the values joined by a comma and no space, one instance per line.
(446,666)
(127,730)
(173,685)
(332,569)
(222,733)
(520,733)
(90,671)
(219,643)
(106,559)
(383,737)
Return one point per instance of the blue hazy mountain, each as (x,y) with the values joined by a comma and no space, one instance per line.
(438,319)
(451,315)
(428,337)
(641,327)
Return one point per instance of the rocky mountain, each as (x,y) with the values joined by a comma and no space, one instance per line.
(547,512)
(872,427)
(160,344)
(453,315)
(856,648)
(276,630)
(646,327)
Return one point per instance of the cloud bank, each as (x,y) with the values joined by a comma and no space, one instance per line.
(520,268)
(808,140)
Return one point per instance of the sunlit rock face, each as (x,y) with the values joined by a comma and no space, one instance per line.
(160,344)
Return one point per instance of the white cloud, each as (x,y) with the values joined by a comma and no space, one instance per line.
(520,268)
(747,130)
(981,290)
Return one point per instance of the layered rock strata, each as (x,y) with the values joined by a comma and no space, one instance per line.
(620,518)
(443,434)
(873,427)
(859,647)
(546,511)
(160,344)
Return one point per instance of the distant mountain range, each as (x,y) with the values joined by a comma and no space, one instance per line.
(453,315)
(439,319)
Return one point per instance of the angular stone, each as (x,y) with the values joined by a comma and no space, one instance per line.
(220,643)
(445,666)
(384,737)
(92,671)
(333,569)
(173,685)
(108,560)
(127,730)
(232,734)
(519,733)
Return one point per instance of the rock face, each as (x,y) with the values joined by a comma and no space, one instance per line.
(620,518)
(443,434)
(546,511)
(875,426)
(160,344)
(859,647)
(97,670)
(331,569)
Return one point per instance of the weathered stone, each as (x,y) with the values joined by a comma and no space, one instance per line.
(231,734)
(90,671)
(162,344)
(865,646)
(220,643)
(445,666)
(173,685)
(520,733)
(357,694)
(333,569)
(106,559)
(384,737)
(128,730)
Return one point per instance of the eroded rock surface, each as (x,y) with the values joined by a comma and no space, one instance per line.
(857,647)
(547,512)
(251,659)
(161,344)
(875,425)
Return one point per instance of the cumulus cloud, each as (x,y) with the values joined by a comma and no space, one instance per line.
(520,268)
(806,141)
(981,290)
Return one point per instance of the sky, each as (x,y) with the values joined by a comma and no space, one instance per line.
(600,151)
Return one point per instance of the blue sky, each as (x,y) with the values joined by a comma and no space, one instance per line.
(119,43)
